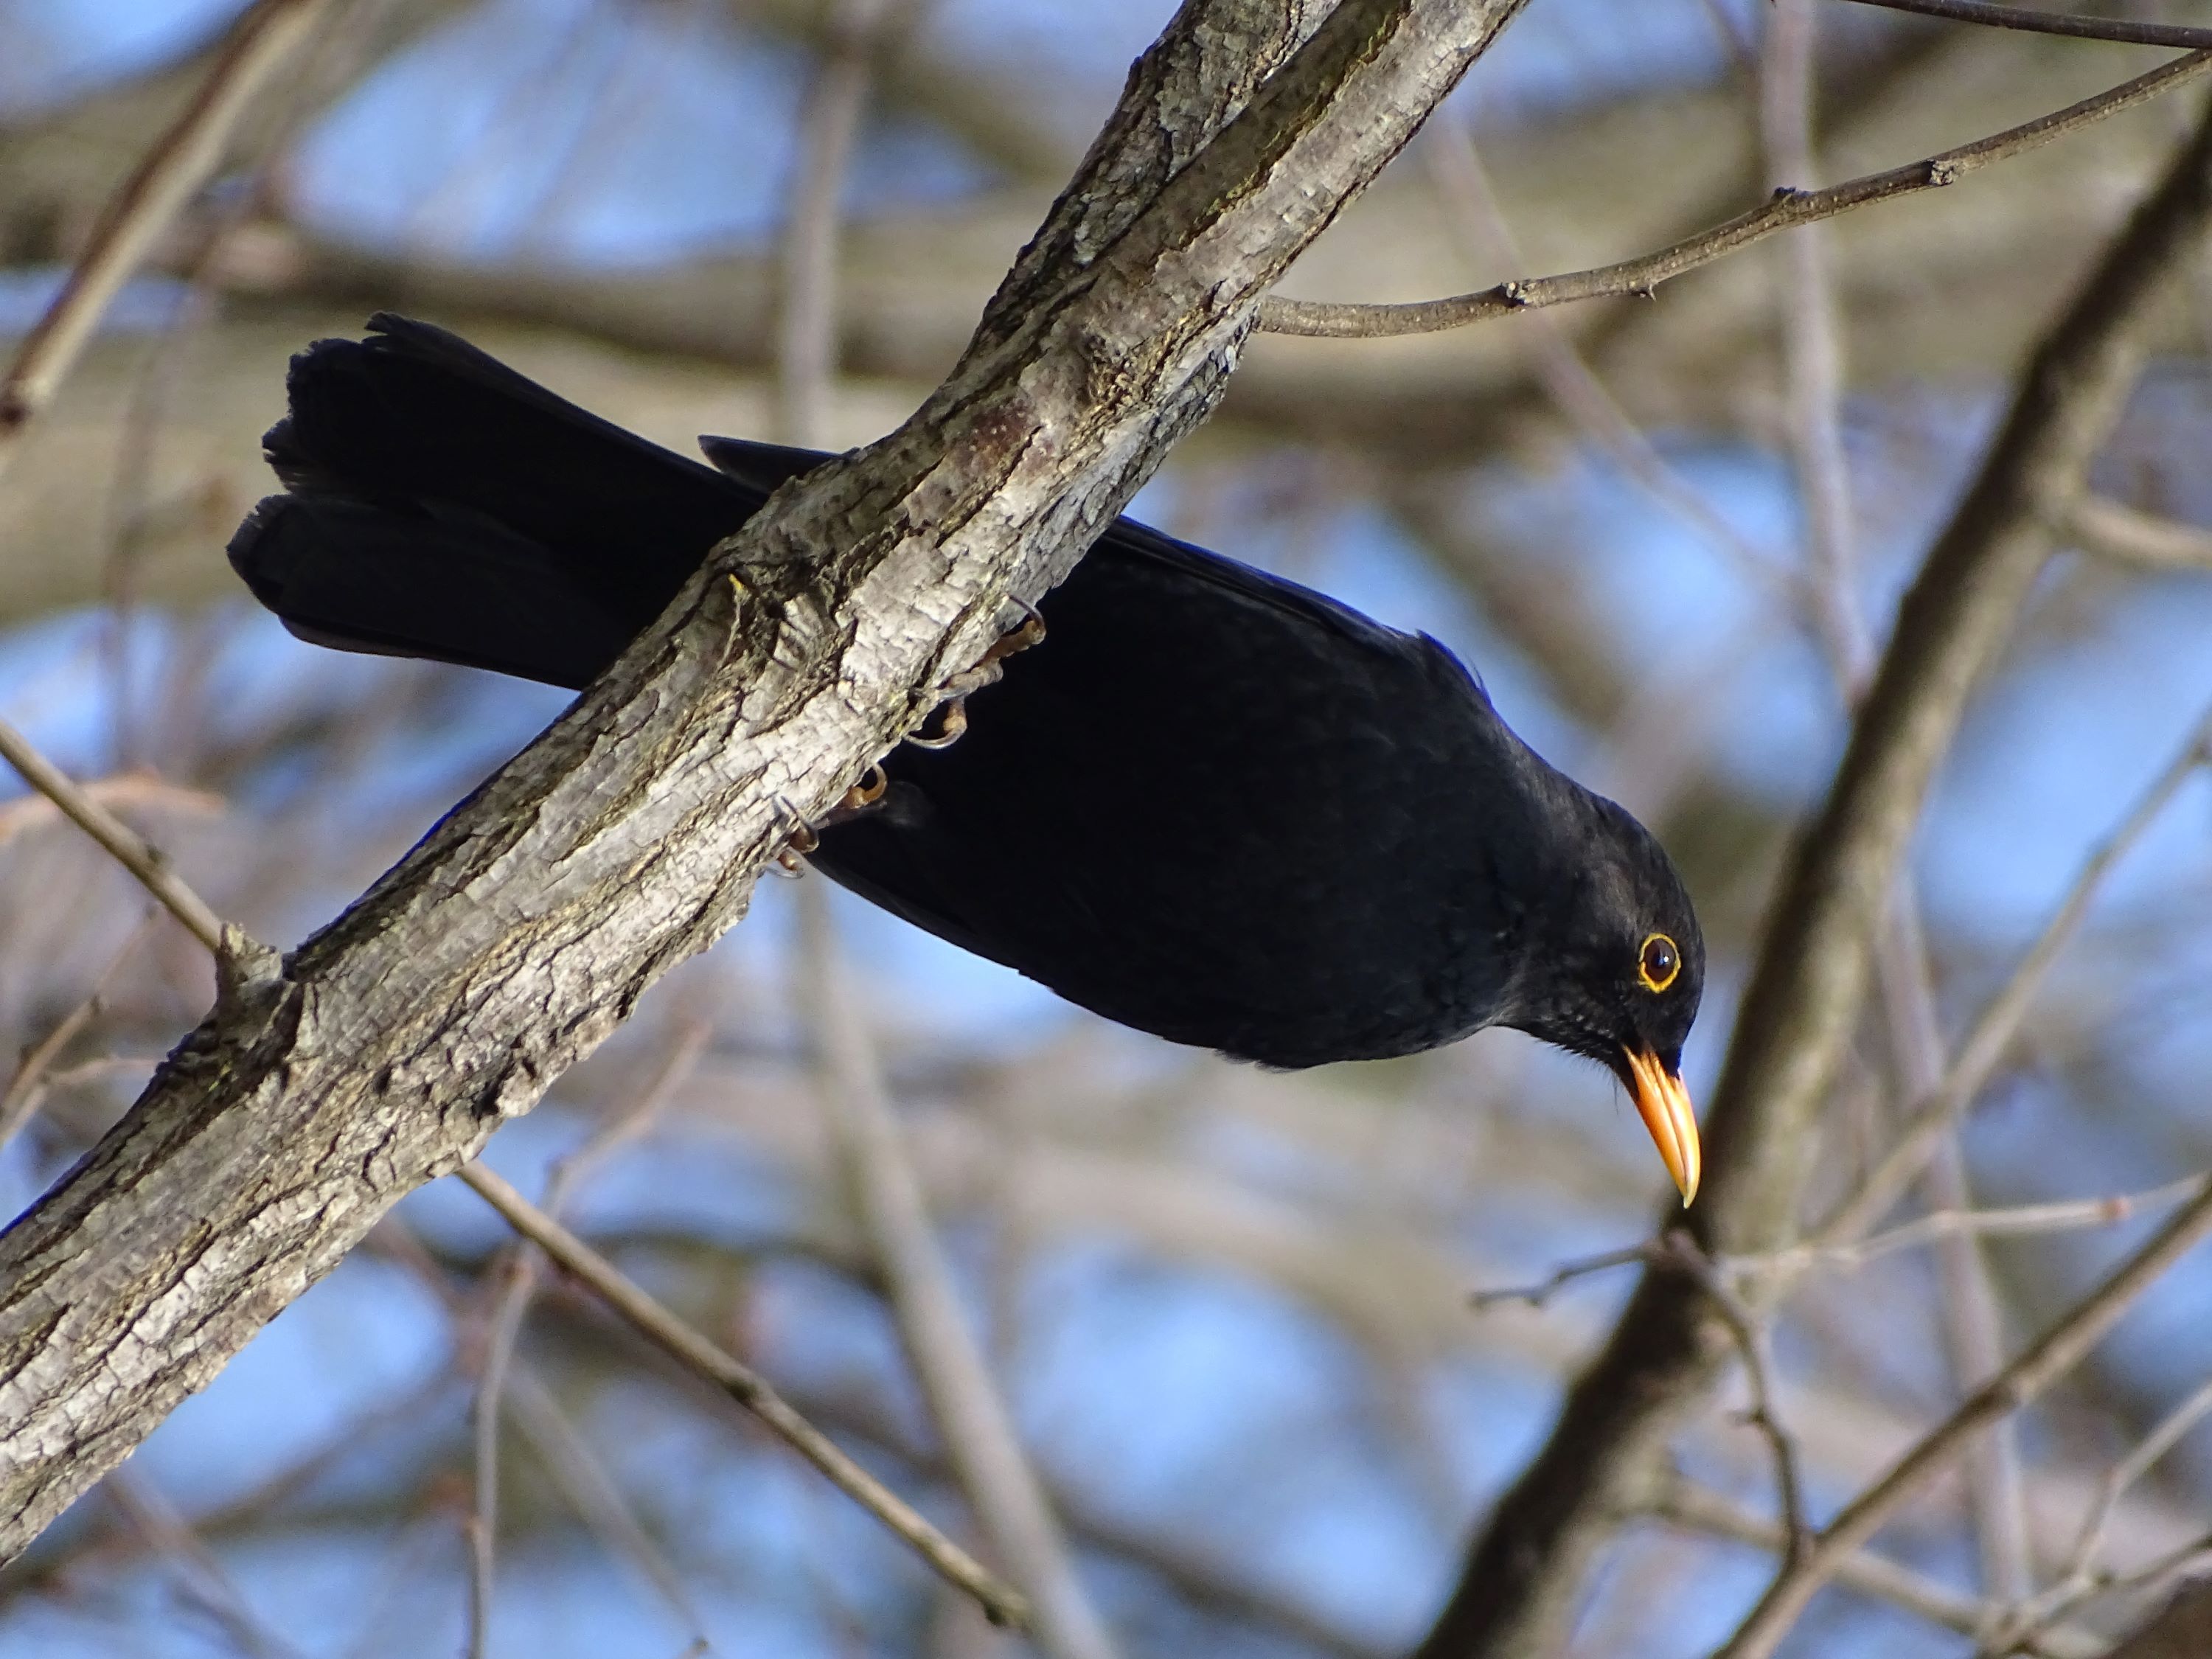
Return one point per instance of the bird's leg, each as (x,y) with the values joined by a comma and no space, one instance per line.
(950,711)
(799,838)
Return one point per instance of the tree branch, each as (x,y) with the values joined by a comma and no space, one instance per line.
(179,163)
(981,1442)
(2060,1349)
(125,845)
(750,1391)
(1808,983)
(388,1049)
(2125,30)
(1783,210)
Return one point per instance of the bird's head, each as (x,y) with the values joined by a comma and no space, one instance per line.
(1614,970)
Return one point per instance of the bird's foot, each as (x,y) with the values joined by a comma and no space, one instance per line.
(861,798)
(950,713)
(798,838)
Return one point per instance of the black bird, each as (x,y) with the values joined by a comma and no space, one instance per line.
(1212,805)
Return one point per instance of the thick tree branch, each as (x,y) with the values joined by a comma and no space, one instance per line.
(1808,985)
(524,928)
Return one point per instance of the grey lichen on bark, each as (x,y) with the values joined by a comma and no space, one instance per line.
(525,925)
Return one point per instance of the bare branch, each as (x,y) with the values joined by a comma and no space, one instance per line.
(981,1441)
(32,1079)
(2000,1020)
(807,320)
(125,845)
(2125,30)
(2017,1221)
(179,163)
(1785,210)
(2113,530)
(1457,169)
(519,1278)
(2058,1351)
(1683,1504)
(1679,1251)
(2081,1578)
(2182,1630)
(1806,989)
(200,1574)
(649,1319)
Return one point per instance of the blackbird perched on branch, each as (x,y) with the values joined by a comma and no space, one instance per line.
(1210,804)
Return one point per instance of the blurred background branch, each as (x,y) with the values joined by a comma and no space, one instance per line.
(1227,1311)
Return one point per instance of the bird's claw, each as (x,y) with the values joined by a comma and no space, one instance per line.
(799,838)
(950,711)
(952,717)
(862,798)
(1025,634)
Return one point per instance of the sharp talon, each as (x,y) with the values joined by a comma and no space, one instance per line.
(799,838)
(867,792)
(860,800)
(787,863)
(951,716)
(1028,632)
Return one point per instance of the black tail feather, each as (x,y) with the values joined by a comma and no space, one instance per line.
(443,505)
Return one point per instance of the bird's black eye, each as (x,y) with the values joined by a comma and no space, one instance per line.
(1658,963)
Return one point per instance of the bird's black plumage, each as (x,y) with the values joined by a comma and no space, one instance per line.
(1213,805)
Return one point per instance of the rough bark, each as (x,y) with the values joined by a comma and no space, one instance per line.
(388,1049)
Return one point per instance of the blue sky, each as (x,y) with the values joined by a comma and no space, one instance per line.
(687,151)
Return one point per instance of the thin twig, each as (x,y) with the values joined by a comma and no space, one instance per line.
(582,1480)
(981,1441)
(519,1278)
(128,848)
(984,1451)
(588,1489)
(1457,171)
(1812,355)
(512,1308)
(1003,1604)
(1684,1503)
(2001,1017)
(2113,530)
(134,789)
(143,208)
(2016,1221)
(807,320)
(2125,31)
(1813,365)
(2186,1561)
(1566,1273)
(2079,1577)
(1784,210)
(200,1574)
(1679,1251)
(35,1077)
(2051,1356)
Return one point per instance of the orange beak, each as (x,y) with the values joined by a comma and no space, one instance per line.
(1664,1105)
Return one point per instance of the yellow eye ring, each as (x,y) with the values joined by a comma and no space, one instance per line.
(1657,961)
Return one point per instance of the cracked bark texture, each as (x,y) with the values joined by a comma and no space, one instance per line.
(387,1049)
